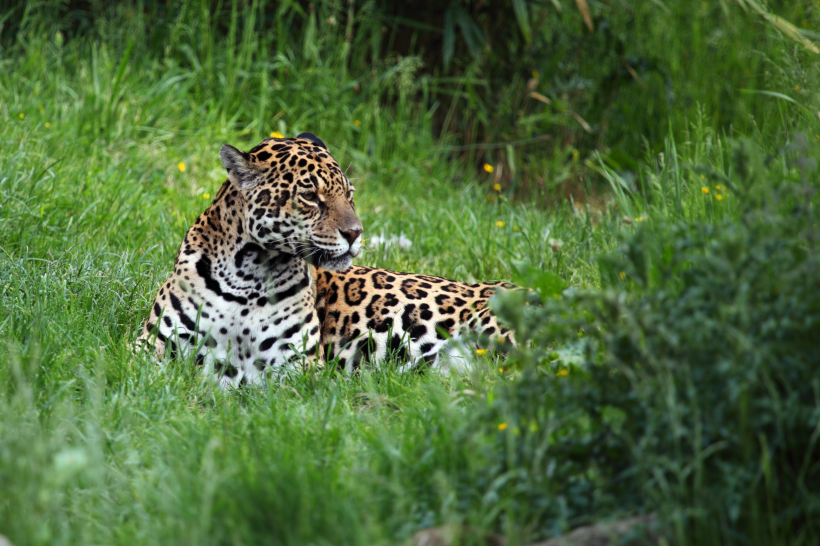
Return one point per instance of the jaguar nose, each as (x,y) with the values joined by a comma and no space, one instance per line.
(351,234)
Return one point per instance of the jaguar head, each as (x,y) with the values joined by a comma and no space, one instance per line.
(297,199)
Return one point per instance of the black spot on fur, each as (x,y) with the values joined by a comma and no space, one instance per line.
(203,268)
(185,319)
(397,348)
(444,327)
(285,294)
(384,325)
(418,331)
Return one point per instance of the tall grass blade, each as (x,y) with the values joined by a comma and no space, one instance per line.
(523,17)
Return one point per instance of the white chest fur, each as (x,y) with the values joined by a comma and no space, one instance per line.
(246,314)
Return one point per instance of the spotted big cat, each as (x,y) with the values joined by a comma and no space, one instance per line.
(263,281)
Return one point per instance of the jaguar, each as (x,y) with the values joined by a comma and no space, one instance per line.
(263,282)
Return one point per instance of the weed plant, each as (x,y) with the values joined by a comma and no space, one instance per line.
(687,385)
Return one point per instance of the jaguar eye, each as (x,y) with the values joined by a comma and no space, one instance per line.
(310,196)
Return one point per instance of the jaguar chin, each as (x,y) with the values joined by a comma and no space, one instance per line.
(333,263)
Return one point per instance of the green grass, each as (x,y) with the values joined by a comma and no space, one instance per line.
(98,446)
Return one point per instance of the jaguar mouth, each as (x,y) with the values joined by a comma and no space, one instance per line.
(312,255)
(329,260)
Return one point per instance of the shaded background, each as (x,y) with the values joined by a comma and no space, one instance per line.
(524,85)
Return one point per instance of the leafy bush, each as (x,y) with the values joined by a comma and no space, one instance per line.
(688,385)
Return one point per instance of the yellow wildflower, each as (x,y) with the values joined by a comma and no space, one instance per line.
(718,187)
(705,190)
(797,88)
(502,426)
(516,228)
(206,195)
(500,370)
(500,223)
(621,275)
(277,134)
(562,373)
(181,167)
(22,115)
(641,218)
(48,125)
(497,187)
(357,123)
(488,168)
(719,197)
(481,352)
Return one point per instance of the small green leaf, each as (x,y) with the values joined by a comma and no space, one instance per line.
(546,283)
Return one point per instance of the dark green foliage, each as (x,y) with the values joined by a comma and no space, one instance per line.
(510,83)
(692,384)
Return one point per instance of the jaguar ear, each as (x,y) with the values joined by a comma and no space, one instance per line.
(313,138)
(240,170)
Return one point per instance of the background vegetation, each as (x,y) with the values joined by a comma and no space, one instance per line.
(656,158)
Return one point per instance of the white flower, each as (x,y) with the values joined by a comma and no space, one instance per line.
(387,241)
